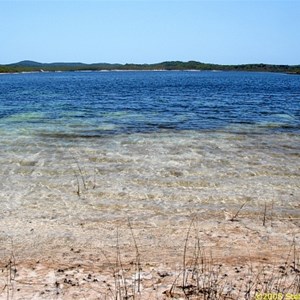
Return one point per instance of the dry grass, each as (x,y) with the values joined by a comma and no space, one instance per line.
(205,278)
(200,275)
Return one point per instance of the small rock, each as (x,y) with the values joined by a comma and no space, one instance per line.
(163,274)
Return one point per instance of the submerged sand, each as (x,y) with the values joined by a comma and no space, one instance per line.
(187,215)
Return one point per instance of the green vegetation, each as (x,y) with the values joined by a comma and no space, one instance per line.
(31,66)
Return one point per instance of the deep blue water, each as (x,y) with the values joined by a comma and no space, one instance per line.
(92,104)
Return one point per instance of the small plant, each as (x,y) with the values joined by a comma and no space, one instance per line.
(127,281)
(79,175)
(84,182)
(205,279)
(10,271)
(137,264)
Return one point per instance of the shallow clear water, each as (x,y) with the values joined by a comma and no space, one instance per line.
(147,143)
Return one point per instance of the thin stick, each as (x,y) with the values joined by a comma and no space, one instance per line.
(184,276)
(138,257)
(94,185)
(265,212)
(295,256)
(237,213)
(80,172)
(120,266)
(78,185)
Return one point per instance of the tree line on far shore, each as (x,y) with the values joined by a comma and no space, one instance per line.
(31,66)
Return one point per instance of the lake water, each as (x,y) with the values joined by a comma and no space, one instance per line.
(148,144)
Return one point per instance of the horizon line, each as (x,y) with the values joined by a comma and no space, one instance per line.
(146,63)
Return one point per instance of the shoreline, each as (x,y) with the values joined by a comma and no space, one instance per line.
(145,70)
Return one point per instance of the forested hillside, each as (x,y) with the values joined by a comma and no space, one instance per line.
(32,66)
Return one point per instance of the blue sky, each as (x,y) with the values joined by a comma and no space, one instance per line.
(141,31)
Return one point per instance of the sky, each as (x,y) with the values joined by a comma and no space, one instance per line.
(150,31)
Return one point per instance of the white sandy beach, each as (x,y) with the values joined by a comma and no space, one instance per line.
(145,260)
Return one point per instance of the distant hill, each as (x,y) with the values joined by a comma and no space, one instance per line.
(30,63)
(33,66)
(26,63)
